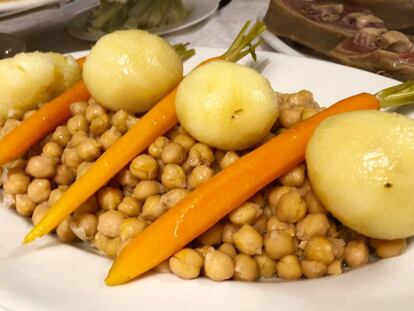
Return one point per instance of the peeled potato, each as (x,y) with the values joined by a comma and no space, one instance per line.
(131,70)
(361,166)
(29,79)
(225,105)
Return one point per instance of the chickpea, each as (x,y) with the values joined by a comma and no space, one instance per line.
(61,135)
(301,99)
(82,169)
(228,249)
(218,266)
(200,154)
(77,123)
(199,176)
(132,120)
(126,178)
(38,190)
(186,263)
(39,212)
(291,207)
(64,232)
(130,206)
(64,175)
(9,125)
(147,188)
(308,113)
(312,225)
(245,268)
(278,244)
(228,231)
(71,158)
(109,198)
(289,117)
(294,178)
(52,149)
(16,184)
(173,153)
(153,208)
(100,124)
(107,245)
(248,241)
(356,253)
(157,147)
(229,158)
(184,141)
(163,267)
(109,223)
(333,230)
(204,250)
(93,111)
(313,269)
(174,196)
(41,167)
(18,164)
(91,205)
(319,249)
(28,114)
(55,195)
(274,196)
(130,227)
(78,107)
(289,268)
(173,176)
(266,265)
(84,226)
(246,213)
(385,248)
(335,268)
(119,120)
(109,137)
(24,206)
(275,224)
(313,204)
(212,236)
(89,149)
(260,224)
(338,247)
(144,167)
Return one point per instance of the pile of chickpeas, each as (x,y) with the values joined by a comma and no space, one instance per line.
(283,231)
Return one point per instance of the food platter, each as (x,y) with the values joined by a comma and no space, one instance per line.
(14,5)
(50,275)
(198,11)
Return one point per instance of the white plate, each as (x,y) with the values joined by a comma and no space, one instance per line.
(17,5)
(279,45)
(50,275)
(199,10)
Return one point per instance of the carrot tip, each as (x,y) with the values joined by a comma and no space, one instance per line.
(30,237)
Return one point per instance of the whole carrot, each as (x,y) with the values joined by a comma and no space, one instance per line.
(154,123)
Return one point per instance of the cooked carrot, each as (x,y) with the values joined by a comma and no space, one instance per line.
(156,122)
(40,123)
(206,205)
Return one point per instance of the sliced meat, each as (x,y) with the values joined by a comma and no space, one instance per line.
(394,41)
(397,14)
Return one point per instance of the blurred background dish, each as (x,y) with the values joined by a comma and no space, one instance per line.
(92,24)
(10,45)
(18,5)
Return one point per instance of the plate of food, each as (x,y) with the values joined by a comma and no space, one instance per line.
(200,195)
(160,17)
(356,33)
(18,5)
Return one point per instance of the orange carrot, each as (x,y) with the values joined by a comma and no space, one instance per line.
(206,205)
(156,122)
(40,123)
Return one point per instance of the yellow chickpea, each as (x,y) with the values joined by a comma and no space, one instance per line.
(174,196)
(335,268)
(274,223)
(126,178)
(93,111)
(130,206)
(246,213)
(39,212)
(157,147)
(109,137)
(91,205)
(64,175)
(173,153)
(356,253)
(89,149)
(218,266)
(173,176)
(289,117)
(319,249)
(77,123)
(52,149)
(200,154)
(153,208)
(78,107)
(260,224)
(39,190)
(16,184)
(212,236)
(229,158)
(147,188)
(77,139)
(274,196)
(313,269)
(71,158)
(84,226)
(186,263)
(61,135)
(389,248)
(130,228)
(41,167)
(109,223)
(291,207)
(64,232)
(100,124)
(24,206)
(289,268)
(55,195)
(312,225)
(294,178)
(278,244)
(266,265)
(184,141)
(109,198)
(82,169)
(228,249)
(248,241)
(144,167)
(313,204)
(199,175)
(228,231)
(245,268)
(120,119)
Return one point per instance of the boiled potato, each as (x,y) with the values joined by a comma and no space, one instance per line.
(131,70)
(361,166)
(29,79)
(226,105)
